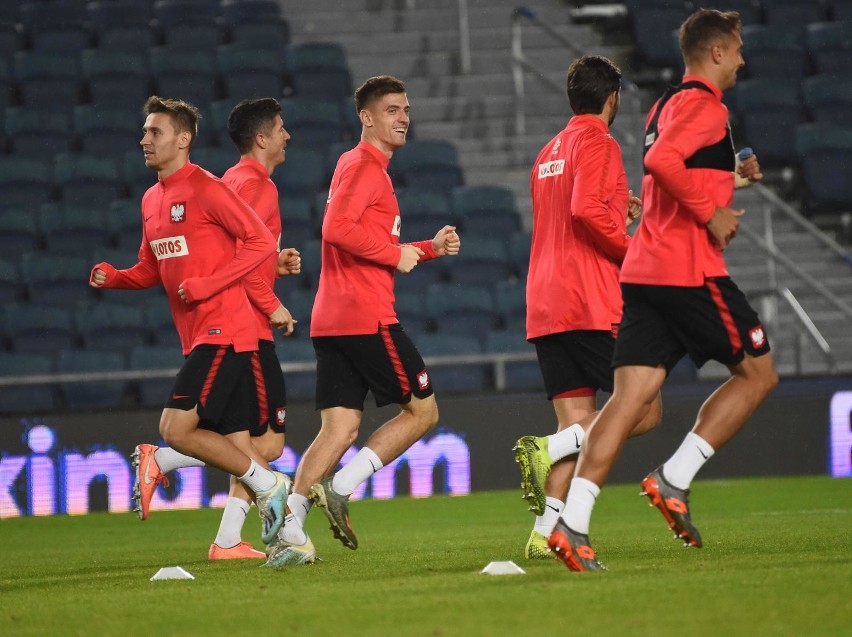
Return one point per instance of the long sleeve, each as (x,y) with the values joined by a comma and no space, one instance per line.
(142,275)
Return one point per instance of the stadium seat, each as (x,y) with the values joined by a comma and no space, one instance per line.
(829,45)
(250,11)
(56,26)
(136,175)
(26,398)
(828,100)
(119,13)
(311,252)
(482,261)
(194,36)
(127,39)
(110,326)
(519,251)
(319,70)
(303,174)
(124,221)
(430,165)
(55,279)
(300,385)
(411,312)
(510,301)
(25,184)
(10,283)
(19,233)
(450,378)
(158,318)
(749,10)
(793,11)
(215,160)
(821,149)
(87,180)
(153,392)
(37,134)
(7,82)
(841,10)
(487,211)
(769,111)
(9,13)
(299,301)
(313,123)
(520,375)
(118,80)
(38,329)
(775,51)
(297,222)
(66,230)
(186,75)
(176,12)
(333,153)
(48,81)
(106,131)
(463,310)
(654,24)
(250,71)
(423,213)
(91,394)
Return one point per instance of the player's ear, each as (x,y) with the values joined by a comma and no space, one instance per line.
(366,118)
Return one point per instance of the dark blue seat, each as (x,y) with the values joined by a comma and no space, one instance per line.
(775,51)
(829,45)
(26,398)
(91,394)
(110,326)
(55,279)
(137,177)
(319,70)
(118,80)
(251,71)
(107,131)
(47,81)
(65,229)
(828,99)
(158,318)
(411,312)
(56,26)
(303,174)
(821,148)
(487,211)
(87,180)
(482,261)
(510,301)
(769,111)
(793,11)
(519,251)
(38,134)
(19,233)
(458,309)
(423,213)
(519,375)
(153,392)
(187,75)
(11,288)
(25,184)
(300,385)
(429,165)
(654,25)
(452,377)
(124,221)
(313,123)
(38,329)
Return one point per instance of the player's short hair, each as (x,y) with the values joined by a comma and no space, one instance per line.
(250,117)
(375,88)
(704,28)
(591,80)
(184,115)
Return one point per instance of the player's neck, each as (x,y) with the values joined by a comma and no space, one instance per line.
(167,171)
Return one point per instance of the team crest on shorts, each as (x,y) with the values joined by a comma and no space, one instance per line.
(757,336)
(423,379)
(178,212)
(281,416)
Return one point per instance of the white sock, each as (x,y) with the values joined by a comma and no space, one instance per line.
(231,525)
(362,466)
(299,506)
(578,507)
(292,531)
(565,443)
(168,459)
(545,522)
(681,468)
(258,478)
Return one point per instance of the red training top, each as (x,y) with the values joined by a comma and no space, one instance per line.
(360,247)
(579,197)
(251,182)
(672,245)
(191,223)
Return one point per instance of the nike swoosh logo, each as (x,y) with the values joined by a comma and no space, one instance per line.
(179,396)
(703,455)
(145,473)
(374,466)
(576,440)
(552,508)
(148,217)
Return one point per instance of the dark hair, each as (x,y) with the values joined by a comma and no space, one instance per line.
(591,80)
(704,28)
(184,115)
(375,88)
(250,117)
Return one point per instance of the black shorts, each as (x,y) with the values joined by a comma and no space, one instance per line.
(272,402)
(223,384)
(579,361)
(661,323)
(386,363)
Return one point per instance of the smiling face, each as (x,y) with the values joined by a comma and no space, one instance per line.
(386,121)
(275,142)
(165,149)
(730,60)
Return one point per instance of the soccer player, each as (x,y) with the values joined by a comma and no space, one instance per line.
(581,209)
(678,296)
(257,129)
(359,343)
(191,225)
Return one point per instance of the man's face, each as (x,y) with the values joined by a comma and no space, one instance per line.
(615,105)
(277,138)
(161,144)
(731,49)
(389,118)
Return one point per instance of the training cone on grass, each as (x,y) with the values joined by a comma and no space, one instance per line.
(503,568)
(172,572)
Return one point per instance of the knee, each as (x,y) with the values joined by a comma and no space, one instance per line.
(271,448)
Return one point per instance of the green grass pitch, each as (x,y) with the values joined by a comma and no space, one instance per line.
(777,561)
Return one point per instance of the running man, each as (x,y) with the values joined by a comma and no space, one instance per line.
(191,225)
(360,345)
(257,129)
(678,296)
(581,209)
